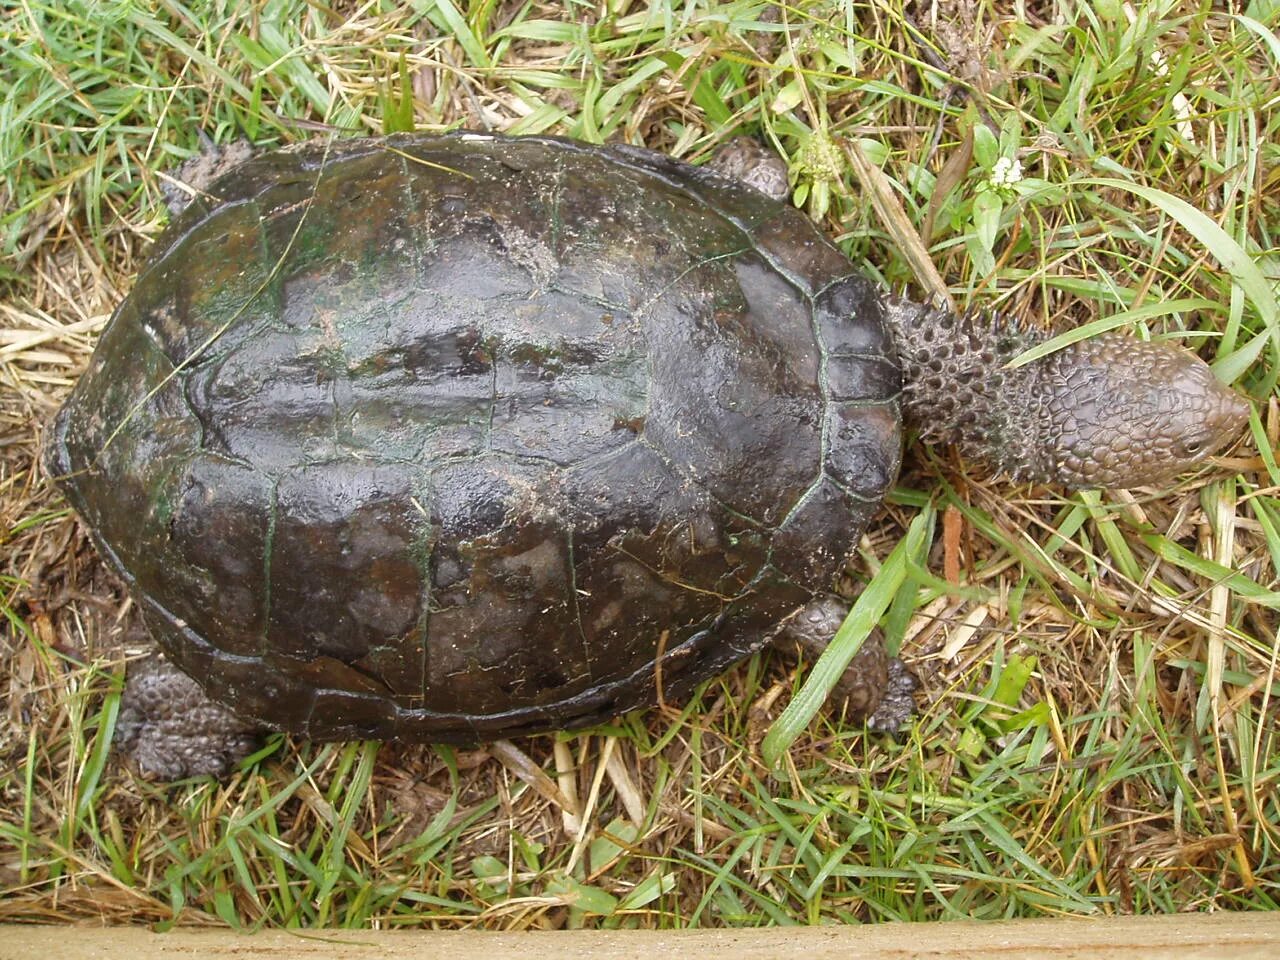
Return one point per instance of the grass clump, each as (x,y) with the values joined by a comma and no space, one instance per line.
(1101,670)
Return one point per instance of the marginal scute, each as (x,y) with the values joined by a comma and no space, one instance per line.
(734,201)
(127,459)
(356,716)
(455,438)
(850,319)
(747,626)
(268,686)
(219,529)
(820,534)
(800,252)
(857,438)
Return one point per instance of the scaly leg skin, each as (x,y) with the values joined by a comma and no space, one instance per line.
(195,175)
(747,161)
(172,730)
(874,686)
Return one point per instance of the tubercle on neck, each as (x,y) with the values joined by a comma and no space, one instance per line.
(956,388)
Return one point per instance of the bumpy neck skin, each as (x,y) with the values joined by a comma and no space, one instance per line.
(1112,411)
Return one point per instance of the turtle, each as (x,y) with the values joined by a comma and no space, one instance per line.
(453,438)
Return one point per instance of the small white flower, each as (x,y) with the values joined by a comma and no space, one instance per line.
(1006,172)
(1159,62)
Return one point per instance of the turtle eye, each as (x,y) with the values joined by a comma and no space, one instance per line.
(1192,447)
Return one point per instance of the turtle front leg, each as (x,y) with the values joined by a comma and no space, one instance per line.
(749,161)
(874,686)
(172,730)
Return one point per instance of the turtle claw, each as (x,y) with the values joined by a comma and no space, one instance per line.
(897,702)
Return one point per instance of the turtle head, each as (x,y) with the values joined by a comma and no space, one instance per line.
(1121,412)
(1111,411)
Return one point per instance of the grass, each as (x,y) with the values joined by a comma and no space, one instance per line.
(1100,732)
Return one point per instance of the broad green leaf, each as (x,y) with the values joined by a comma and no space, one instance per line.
(987,207)
(657,884)
(986,148)
(583,896)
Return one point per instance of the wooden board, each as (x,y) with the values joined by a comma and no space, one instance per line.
(1223,936)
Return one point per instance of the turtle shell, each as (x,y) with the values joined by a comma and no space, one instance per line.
(456,438)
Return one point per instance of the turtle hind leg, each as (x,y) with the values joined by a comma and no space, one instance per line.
(875,686)
(172,730)
(194,176)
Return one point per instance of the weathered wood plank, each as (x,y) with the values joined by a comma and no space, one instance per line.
(1191,937)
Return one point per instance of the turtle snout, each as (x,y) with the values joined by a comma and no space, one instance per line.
(1211,418)
(1231,417)
(1133,414)
(1205,423)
